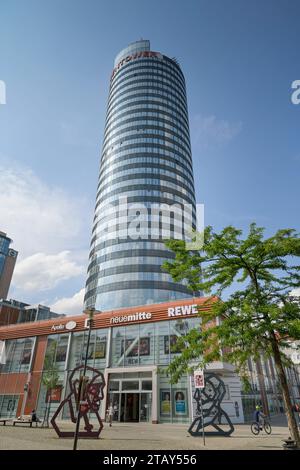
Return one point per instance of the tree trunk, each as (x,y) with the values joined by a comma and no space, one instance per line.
(286,394)
(48,407)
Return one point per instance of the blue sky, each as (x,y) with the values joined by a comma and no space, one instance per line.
(239,59)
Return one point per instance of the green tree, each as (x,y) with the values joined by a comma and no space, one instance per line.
(258,318)
(50,379)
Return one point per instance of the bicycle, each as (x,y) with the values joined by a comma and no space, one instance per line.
(257,427)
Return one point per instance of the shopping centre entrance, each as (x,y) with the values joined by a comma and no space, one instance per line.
(131,397)
(130,407)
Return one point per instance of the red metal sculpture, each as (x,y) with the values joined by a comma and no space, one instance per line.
(87,393)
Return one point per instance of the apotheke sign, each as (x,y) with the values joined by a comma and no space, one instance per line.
(68,326)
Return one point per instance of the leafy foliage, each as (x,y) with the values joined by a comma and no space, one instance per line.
(261,317)
(50,377)
(262,312)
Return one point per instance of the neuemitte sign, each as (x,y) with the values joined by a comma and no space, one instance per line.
(131,317)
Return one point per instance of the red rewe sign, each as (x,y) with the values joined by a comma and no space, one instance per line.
(136,55)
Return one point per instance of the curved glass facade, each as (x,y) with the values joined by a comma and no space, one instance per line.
(145,192)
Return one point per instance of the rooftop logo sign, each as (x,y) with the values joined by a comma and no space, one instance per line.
(182,310)
(71,325)
(137,55)
(131,317)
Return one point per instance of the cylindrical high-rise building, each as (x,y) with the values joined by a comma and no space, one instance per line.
(145,181)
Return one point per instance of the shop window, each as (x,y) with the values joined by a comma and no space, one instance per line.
(147,385)
(96,352)
(18,355)
(56,352)
(114,385)
(8,405)
(61,349)
(130,385)
(171,345)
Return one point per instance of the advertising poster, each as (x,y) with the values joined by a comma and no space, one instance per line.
(165,402)
(132,347)
(100,351)
(55,395)
(180,402)
(144,346)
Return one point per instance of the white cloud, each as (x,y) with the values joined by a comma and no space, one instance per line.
(50,230)
(208,130)
(41,272)
(296,291)
(70,305)
(38,217)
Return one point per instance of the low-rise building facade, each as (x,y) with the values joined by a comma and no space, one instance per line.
(132,347)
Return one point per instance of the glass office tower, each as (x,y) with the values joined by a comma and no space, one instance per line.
(8,259)
(145,192)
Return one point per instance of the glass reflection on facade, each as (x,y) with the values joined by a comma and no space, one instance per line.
(148,344)
(4,246)
(131,346)
(134,359)
(7,263)
(18,355)
(146,156)
(97,349)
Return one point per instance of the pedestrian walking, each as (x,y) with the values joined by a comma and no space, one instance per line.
(110,412)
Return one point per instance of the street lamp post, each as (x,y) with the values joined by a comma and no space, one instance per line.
(90,313)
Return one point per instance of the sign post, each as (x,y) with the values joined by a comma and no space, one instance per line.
(199,381)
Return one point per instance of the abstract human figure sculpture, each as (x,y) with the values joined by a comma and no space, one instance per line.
(213,415)
(91,394)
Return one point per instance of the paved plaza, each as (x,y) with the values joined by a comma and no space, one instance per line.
(126,436)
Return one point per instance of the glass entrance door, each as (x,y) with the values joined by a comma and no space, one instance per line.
(131,397)
(146,407)
(131,410)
